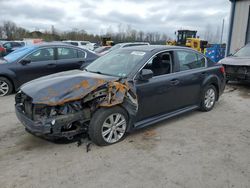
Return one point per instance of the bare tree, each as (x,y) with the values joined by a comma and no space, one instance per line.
(9,29)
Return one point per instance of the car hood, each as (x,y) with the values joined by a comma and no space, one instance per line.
(57,89)
(237,61)
(3,61)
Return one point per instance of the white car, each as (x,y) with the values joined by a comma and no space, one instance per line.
(80,44)
(128,44)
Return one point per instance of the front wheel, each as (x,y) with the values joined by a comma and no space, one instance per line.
(108,126)
(6,86)
(209,97)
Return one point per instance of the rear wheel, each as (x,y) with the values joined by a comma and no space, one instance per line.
(108,126)
(209,97)
(6,86)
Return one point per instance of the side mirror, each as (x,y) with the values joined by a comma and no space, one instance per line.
(146,74)
(25,61)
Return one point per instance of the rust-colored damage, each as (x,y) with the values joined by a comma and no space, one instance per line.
(113,92)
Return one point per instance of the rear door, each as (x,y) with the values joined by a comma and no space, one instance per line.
(70,58)
(191,72)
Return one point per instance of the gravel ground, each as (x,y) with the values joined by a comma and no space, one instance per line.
(193,150)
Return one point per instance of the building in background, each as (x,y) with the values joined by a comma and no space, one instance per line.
(239,26)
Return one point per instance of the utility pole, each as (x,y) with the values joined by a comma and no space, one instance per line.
(222,30)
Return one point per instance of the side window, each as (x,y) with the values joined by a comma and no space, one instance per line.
(7,45)
(190,60)
(81,54)
(84,43)
(74,43)
(160,64)
(67,53)
(45,54)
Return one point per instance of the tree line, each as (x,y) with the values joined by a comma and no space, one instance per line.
(125,33)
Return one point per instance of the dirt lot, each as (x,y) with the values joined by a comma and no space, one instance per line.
(194,150)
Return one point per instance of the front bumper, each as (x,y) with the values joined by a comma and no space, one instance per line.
(238,77)
(52,127)
(237,73)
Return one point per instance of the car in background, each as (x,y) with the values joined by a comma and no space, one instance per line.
(11,46)
(81,44)
(108,99)
(237,65)
(34,61)
(128,44)
(102,50)
(2,50)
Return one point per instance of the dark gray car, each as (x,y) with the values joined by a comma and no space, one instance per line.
(30,62)
(126,89)
(237,65)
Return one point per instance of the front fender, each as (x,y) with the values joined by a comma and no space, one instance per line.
(10,75)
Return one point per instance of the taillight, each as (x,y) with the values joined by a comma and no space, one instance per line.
(222,70)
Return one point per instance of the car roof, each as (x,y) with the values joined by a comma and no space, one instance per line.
(148,48)
(46,44)
(126,43)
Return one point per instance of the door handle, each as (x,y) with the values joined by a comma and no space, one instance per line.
(174,82)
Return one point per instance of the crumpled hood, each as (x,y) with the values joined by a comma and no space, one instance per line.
(236,61)
(64,87)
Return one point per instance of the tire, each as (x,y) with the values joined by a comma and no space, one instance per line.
(110,133)
(209,96)
(6,87)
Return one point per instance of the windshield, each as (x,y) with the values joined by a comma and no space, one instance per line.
(243,52)
(115,47)
(15,55)
(119,63)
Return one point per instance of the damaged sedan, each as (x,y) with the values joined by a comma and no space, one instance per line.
(237,65)
(124,90)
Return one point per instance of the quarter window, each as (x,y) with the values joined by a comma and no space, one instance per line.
(190,60)
(81,54)
(45,54)
(67,53)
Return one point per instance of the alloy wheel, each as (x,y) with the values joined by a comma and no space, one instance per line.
(114,127)
(209,98)
(4,88)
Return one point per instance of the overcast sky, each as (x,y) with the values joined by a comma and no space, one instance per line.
(95,16)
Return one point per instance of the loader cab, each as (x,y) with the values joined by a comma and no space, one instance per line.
(182,36)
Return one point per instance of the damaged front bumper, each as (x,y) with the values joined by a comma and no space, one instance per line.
(55,126)
(237,73)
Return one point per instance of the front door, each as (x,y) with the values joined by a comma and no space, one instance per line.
(157,95)
(42,62)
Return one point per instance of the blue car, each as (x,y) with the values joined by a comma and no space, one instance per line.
(31,62)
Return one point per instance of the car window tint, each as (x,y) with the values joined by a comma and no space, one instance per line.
(7,45)
(160,64)
(67,53)
(190,60)
(74,43)
(44,54)
(81,54)
(84,43)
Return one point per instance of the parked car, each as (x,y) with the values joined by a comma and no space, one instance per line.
(102,50)
(128,44)
(11,46)
(34,61)
(81,44)
(237,65)
(124,90)
(2,50)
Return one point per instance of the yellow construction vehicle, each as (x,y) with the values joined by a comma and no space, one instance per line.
(188,38)
(106,41)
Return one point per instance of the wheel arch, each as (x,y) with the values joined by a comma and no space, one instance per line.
(212,80)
